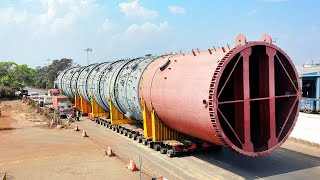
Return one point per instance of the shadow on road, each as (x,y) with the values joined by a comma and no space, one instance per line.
(7,129)
(279,162)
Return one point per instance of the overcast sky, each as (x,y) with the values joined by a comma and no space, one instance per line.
(33,31)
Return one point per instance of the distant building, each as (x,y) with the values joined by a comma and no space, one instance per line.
(309,75)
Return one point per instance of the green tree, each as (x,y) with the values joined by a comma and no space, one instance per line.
(45,76)
(14,77)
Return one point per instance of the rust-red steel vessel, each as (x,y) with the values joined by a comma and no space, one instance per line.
(245,97)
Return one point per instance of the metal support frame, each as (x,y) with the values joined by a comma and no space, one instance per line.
(77,102)
(97,110)
(117,118)
(85,106)
(155,129)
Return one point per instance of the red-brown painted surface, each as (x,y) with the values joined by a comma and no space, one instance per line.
(244,97)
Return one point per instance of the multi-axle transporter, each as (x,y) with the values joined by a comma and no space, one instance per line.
(245,97)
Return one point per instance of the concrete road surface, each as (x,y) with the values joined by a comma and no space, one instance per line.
(226,164)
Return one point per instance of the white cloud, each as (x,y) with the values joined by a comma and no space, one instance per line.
(176,10)
(147,27)
(106,26)
(12,16)
(252,12)
(274,1)
(59,14)
(134,9)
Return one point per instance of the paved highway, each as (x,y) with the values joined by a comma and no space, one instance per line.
(226,164)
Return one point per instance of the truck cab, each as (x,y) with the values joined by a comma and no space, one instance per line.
(53,92)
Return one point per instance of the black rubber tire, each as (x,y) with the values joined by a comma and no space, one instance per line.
(139,139)
(129,135)
(121,131)
(125,133)
(107,125)
(114,128)
(150,144)
(134,136)
(170,153)
(144,142)
(110,126)
(156,147)
(163,150)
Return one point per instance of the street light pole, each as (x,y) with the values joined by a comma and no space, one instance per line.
(88,50)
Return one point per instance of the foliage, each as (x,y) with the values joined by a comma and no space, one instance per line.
(14,77)
(45,76)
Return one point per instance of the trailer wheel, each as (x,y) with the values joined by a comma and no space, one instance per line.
(139,138)
(144,141)
(121,131)
(114,128)
(134,136)
(156,147)
(129,135)
(163,150)
(125,132)
(107,125)
(170,153)
(110,126)
(149,144)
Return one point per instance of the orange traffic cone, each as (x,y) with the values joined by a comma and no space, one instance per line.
(53,123)
(132,166)
(110,152)
(76,128)
(84,134)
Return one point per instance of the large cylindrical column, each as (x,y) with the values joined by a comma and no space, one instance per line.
(246,97)
(83,81)
(66,82)
(105,80)
(125,87)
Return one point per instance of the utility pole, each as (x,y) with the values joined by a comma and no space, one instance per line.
(88,50)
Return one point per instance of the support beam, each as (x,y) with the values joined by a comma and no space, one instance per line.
(273,139)
(77,102)
(85,106)
(117,118)
(97,110)
(247,145)
(161,132)
(147,122)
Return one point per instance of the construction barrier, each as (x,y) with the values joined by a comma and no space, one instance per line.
(110,151)
(132,166)
(76,128)
(84,134)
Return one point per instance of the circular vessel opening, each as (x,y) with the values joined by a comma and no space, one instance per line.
(257,99)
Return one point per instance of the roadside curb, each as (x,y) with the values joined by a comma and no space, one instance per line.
(305,142)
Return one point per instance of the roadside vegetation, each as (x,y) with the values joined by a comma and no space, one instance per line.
(15,77)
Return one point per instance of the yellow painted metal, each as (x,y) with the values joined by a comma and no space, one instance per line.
(97,110)
(77,102)
(147,122)
(153,127)
(85,107)
(117,118)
